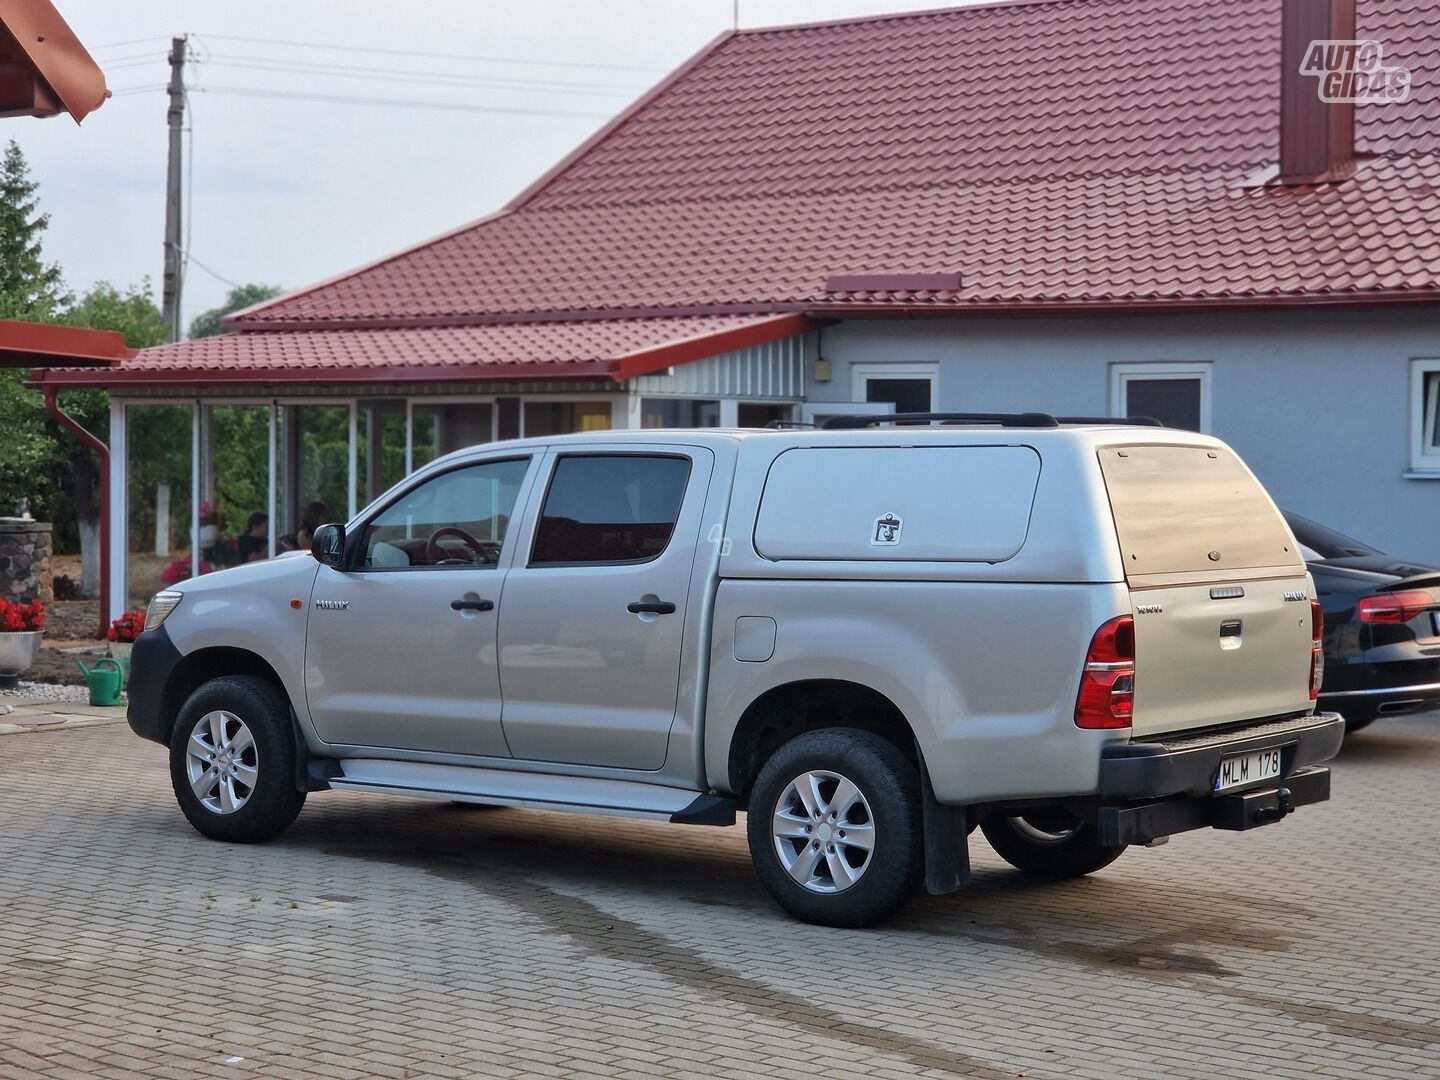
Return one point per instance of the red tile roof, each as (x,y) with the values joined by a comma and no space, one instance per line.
(616,349)
(1076,152)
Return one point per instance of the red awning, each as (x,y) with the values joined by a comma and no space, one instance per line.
(615,349)
(44,70)
(43,345)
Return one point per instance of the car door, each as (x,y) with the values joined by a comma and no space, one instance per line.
(400,650)
(594,612)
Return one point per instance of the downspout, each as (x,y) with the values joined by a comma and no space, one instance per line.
(102,451)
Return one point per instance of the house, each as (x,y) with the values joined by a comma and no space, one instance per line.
(1125,207)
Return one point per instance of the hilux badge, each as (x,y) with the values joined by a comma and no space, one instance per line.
(332,605)
(887,530)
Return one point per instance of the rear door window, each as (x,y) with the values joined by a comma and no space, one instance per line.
(1191,513)
(609,509)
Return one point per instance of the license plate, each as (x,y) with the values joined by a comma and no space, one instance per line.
(1241,769)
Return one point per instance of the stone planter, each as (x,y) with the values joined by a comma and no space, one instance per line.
(17,653)
(120,650)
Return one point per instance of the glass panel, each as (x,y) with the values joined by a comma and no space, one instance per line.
(679,412)
(1174,402)
(1191,510)
(1432,412)
(754,414)
(456,519)
(158,444)
(441,428)
(565,417)
(314,470)
(909,395)
(235,485)
(379,448)
(610,508)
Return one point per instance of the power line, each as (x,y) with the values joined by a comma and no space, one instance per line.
(423,79)
(342,99)
(126,91)
(434,55)
(133,41)
(218,277)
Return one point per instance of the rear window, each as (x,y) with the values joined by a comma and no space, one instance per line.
(1185,512)
(898,503)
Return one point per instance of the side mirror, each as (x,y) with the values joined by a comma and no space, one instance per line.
(327,544)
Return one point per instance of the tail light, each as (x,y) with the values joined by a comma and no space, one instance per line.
(1395,607)
(1107,687)
(1317,656)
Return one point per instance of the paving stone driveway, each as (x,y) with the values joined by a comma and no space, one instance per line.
(396,938)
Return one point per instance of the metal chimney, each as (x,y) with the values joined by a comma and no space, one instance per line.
(1317,138)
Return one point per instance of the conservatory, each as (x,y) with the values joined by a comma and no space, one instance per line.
(220,455)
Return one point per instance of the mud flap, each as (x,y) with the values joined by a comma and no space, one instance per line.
(947,844)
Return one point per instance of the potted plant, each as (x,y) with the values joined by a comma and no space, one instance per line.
(21,628)
(209,523)
(122,634)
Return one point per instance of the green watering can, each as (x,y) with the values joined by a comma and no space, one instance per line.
(104,678)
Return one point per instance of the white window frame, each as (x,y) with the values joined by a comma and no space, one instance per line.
(1122,373)
(861,374)
(1424,404)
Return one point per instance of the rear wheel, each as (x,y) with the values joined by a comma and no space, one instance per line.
(834,827)
(232,760)
(1049,843)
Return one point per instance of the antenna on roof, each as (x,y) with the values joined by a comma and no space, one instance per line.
(735,15)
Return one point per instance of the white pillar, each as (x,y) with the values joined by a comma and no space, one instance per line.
(119,516)
(410,436)
(272,526)
(625,412)
(729,413)
(162,520)
(195,490)
(354,509)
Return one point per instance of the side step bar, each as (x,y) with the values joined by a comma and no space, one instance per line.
(535,791)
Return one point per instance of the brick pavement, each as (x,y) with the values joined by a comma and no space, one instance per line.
(396,938)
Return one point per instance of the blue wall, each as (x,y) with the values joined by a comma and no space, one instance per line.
(1317,402)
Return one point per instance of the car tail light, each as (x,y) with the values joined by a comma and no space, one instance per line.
(1395,607)
(1317,655)
(1107,686)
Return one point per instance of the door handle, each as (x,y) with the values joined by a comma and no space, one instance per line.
(651,607)
(472,605)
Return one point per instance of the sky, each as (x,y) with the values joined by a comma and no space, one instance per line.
(289,190)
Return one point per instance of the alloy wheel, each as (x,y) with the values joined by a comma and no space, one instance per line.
(221,762)
(824,832)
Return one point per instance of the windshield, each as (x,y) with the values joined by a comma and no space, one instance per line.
(1326,543)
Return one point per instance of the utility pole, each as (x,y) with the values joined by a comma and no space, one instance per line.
(175,118)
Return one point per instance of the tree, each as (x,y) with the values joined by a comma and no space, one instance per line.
(207,323)
(30,288)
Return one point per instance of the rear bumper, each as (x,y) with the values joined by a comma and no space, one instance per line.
(1165,787)
(1185,764)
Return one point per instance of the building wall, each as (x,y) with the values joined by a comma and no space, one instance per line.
(1317,402)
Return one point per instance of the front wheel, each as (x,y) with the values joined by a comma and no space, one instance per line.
(232,760)
(1049,843)
(834,827)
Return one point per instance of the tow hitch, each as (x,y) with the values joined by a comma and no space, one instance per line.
(1140,823)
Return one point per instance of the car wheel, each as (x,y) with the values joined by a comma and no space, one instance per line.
(1050,843)
(232,760)
(834,827)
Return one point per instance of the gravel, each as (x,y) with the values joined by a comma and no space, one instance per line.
(40,691)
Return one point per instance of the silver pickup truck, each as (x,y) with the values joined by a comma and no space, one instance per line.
(873,638)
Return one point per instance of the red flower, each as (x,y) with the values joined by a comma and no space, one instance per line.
(21,618)
(127,627)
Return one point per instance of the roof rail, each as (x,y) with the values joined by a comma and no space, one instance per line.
(1026,419)
(1127,421)
(1010,420)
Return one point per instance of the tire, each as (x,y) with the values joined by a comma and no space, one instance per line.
(257,799)
(1048,843)
(887,812)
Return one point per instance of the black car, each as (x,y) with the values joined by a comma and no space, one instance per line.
(1382,626)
